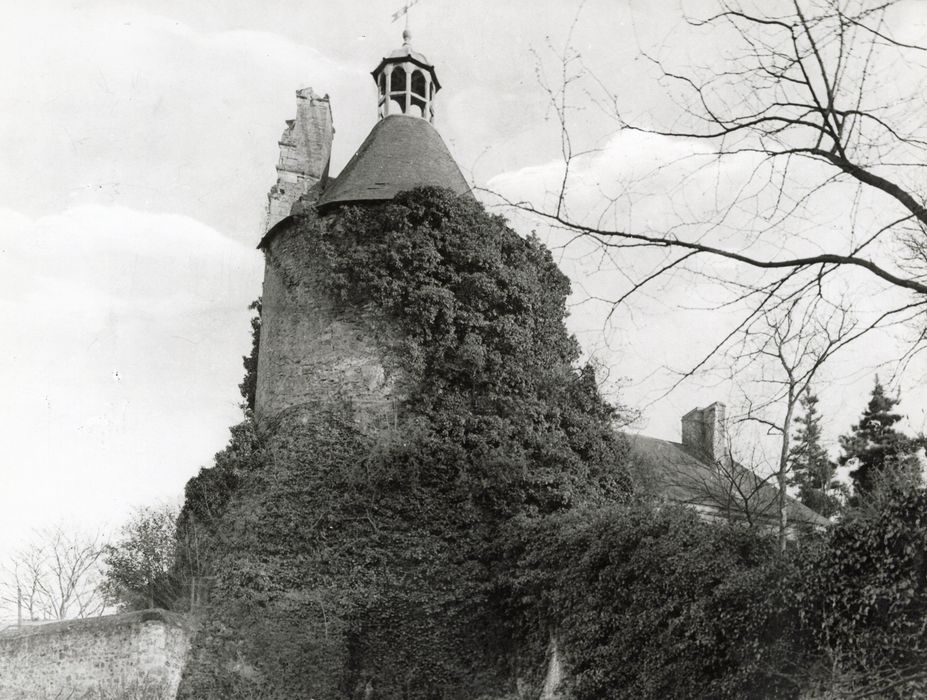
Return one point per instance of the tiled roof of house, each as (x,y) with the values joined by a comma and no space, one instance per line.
(667,470)
(401,152)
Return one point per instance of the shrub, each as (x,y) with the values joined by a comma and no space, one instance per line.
(653,602)
(865,599)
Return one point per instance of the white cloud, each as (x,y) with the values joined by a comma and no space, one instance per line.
(125,326)
(123,108)
(646,183)
(121,360)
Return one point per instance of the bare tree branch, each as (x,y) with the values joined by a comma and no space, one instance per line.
(55,577)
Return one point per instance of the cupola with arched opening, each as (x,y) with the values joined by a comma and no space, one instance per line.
(406,83)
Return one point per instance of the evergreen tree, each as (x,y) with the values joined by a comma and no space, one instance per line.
(812,471)
(878,450)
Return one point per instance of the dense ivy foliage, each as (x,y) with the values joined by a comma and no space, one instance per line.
(650,602)
(348,562)
(207,495)
(206,499)
(865,600)
(439,559)
(656,603)
(481,314)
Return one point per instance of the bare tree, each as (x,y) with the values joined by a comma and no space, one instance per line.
(724,488)
(808,119)
(781,357)
(55,577)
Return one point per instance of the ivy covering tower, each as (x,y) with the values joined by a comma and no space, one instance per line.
(417,394)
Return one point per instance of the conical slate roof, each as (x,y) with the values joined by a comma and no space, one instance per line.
(401,152)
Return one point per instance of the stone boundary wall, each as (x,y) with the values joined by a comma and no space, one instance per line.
(130,656)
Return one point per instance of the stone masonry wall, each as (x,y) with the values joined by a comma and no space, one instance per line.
(703,432)
(305,149)
(132,655)
(312,353)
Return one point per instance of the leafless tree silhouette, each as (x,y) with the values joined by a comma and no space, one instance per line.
(55,577)
(725,489)
(809,118)
(782,355)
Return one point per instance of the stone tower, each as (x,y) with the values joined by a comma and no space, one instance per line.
(311,352)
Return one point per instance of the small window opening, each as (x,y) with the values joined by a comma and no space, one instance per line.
(397,81)
(418,84)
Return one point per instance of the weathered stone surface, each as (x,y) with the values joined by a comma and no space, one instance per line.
(305,149)
(703,432)
(113,656)
(311,352)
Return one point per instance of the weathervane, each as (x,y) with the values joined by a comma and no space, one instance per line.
(404,10)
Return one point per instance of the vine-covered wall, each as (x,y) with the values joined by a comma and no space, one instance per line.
(312,352)
(352,562)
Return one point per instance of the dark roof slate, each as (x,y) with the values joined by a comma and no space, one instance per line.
(666,470)
(401,152)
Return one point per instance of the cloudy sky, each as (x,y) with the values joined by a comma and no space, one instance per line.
(139,139)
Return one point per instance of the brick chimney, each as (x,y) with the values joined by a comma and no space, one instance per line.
(703,432)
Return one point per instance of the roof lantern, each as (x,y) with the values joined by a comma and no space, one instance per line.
(406,83)
(403,150)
